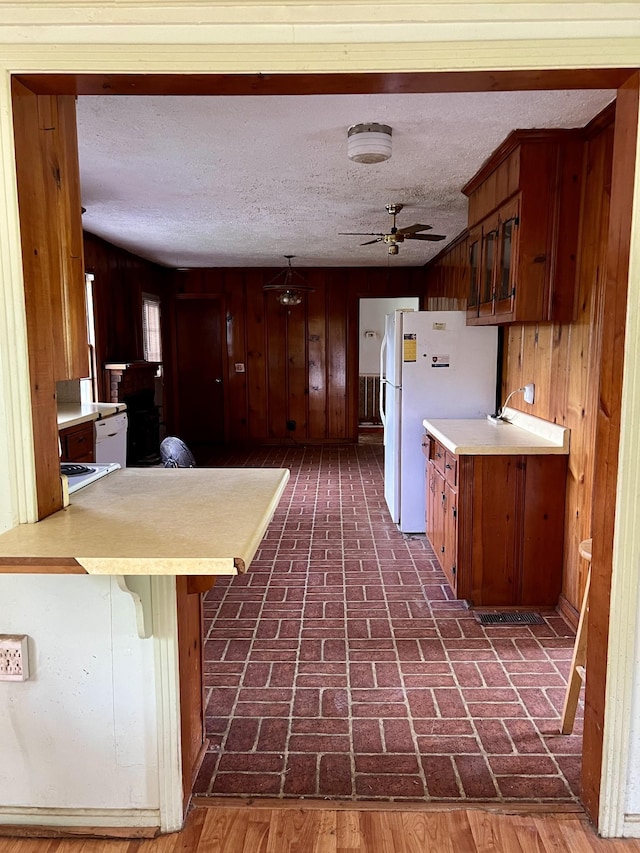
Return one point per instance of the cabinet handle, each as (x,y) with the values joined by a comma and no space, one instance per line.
(442,550)
(448,466)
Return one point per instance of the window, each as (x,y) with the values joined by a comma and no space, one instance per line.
(88,388)
(151,342)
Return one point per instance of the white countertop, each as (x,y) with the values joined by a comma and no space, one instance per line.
(72,414)
(153,521)
(517,434)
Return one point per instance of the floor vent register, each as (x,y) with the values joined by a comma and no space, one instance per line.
(510,618)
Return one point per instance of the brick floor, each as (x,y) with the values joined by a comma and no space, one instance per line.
(340,667)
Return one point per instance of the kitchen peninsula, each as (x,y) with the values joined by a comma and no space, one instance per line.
(495,507)
(109,593)
(152,521)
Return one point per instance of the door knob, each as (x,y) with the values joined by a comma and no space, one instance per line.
(218,381)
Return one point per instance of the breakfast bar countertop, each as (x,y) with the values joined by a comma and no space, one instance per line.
(152,521)
(517,434)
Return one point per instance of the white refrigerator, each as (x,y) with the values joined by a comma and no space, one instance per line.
(432,365)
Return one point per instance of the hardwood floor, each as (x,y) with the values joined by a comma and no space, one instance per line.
(252,828)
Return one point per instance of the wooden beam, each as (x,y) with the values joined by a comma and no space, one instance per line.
(326,84)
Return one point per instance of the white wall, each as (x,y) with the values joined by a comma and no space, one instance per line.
(81,732)
(372,313)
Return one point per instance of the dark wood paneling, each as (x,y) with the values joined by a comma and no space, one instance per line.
(277,373)
(301,362)
(297,369)
(337,375)
(317,348)
(614,306)
(256,352)
(120,280)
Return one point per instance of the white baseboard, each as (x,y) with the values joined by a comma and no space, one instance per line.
(631,826)
(33,816)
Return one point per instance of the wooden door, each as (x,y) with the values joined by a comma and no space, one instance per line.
(198,382)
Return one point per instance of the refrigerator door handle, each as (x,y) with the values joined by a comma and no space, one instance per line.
(383,354)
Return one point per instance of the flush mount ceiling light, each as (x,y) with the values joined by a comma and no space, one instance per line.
(369,142)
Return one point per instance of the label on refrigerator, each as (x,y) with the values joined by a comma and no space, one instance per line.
(410,352)
(440,361)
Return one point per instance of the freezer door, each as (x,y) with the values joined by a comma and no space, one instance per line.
(448,371)
(392,450)
(393,347)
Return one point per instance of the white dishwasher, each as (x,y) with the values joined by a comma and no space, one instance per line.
(111,439)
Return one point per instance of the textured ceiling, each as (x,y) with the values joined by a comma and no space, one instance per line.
(242,181)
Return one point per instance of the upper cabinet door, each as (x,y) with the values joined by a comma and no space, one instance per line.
(488,267)
(475,250)
(508,231)
(526,198)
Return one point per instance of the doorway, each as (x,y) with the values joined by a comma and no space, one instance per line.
(372,314)
(199,370)
(604,559)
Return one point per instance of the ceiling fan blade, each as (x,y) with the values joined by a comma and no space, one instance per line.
(433,237)
(361,233)
(369,242)
(412,229)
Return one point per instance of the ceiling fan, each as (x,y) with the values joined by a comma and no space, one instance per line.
(289,292)
(396,235)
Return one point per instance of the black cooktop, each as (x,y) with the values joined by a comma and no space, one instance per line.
(73,470)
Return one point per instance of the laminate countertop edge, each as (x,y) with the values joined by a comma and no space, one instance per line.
(73,414)
(160,521)
(519,434)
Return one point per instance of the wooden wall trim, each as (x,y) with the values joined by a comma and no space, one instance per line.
(606,455)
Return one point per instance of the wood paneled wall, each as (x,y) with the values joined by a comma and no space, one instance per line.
(49,203)
(301,362)
(563,361)
(120,280)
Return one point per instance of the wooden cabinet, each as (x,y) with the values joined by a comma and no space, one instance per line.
(77,443)
(496,524)
(523,229)
(441,507)
(447,277)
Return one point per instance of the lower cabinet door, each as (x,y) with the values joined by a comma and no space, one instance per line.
(450,536)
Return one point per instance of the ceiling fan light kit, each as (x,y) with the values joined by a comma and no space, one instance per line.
(369,142)
(396,235)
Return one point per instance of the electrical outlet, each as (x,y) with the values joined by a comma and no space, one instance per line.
(529,392)
(14,657)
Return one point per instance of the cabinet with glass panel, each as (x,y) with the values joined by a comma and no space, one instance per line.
(523,225)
